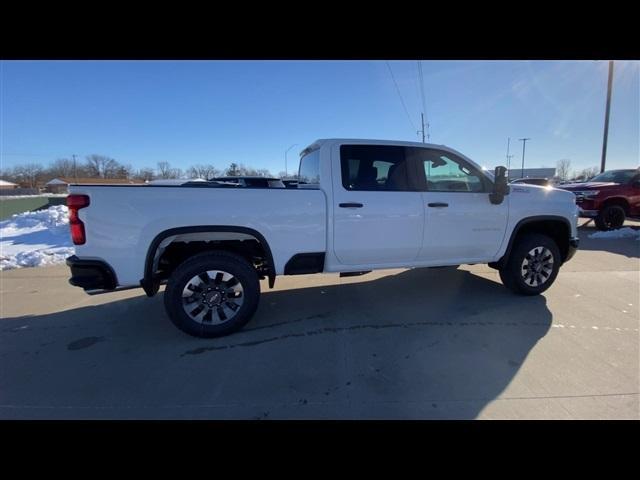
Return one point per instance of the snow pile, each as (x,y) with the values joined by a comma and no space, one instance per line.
(626,232)
(32,239)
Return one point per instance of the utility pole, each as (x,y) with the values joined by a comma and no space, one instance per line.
(606,118)
(508,156)
(423,131)
(75,172)
(286,172)
(524,142)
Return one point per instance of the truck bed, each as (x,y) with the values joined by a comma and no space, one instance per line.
(122,221)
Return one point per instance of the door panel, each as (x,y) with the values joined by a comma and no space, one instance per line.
(469,228)
(461,224)
(377,212)
(386,229)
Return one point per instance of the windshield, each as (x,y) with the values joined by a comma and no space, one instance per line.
(615,176)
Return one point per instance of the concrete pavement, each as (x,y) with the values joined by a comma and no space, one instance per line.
(394,344)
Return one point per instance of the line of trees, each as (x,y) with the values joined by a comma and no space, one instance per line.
(564,172)
(32,175)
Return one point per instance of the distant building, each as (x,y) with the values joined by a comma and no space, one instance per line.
(4,185)
(61,185)
(515,173)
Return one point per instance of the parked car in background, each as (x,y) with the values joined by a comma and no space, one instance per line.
(543,182)
(252,182)
(608,198)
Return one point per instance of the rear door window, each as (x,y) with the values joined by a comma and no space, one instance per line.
(375,168)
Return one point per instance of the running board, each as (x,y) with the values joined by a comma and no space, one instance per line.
(353,274)
(100,291)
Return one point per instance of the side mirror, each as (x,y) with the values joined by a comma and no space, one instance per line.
(500,186)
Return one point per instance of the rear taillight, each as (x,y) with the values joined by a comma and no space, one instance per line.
(75,203)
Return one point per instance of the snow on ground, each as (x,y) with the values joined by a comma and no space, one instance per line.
(32,239)
(626,232)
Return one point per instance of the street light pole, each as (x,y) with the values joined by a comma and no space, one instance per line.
(286,171)
(524,142)
(606,118)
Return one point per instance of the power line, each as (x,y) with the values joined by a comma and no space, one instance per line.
(400,95)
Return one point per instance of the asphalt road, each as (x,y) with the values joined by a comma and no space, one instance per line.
(394,344)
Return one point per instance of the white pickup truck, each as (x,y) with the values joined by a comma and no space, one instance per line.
(360,205)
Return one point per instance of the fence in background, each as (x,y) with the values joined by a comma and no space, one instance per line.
(9,206)
(19,191)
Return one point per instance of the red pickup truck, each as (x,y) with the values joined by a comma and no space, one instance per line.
(608,198)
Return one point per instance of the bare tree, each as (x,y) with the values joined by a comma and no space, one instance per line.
(288,176)
(101,166)
(165,171)
(28,174)
(123,171)
(233,170)
(240,170)
(202,171)
(146,174)
(262,172)
(61,168)
(562,168)
(589,173)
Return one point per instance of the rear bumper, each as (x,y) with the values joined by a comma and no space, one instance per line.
(573,246)
(91,274)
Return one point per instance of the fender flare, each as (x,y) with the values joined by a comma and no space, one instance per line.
(514,233)
(150,284)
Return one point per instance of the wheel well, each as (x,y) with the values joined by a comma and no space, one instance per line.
(617,201)
(558,230)
(178,251)
(169,249)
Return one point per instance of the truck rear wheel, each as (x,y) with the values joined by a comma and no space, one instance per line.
(212,294)
(532,265)
(610,217)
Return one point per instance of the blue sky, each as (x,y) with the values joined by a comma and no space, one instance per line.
(250,112)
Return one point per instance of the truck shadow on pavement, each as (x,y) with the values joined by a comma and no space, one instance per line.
(423,343)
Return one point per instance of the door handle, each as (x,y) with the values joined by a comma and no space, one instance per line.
(350,205)
(438,204)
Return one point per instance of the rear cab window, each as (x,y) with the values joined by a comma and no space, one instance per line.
(309,172)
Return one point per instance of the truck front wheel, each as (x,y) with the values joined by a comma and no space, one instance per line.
(532,265)
(610,217)
(212,294)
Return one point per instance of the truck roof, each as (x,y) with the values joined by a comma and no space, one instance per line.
(318,143)
(231,177)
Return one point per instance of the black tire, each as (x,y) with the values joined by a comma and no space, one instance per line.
(610,217)
(512,274)
(235,267)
